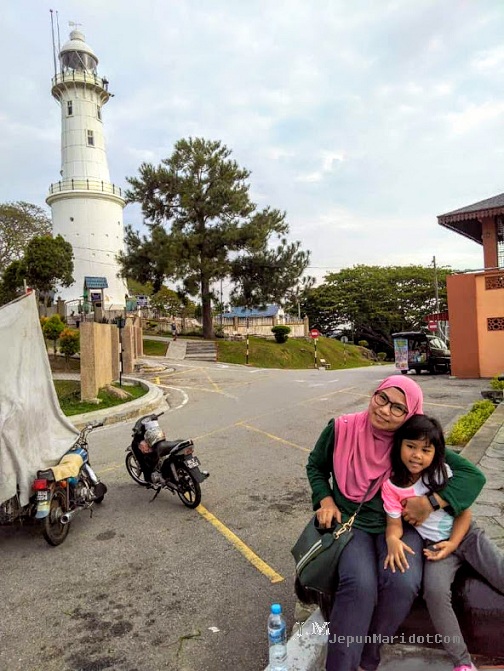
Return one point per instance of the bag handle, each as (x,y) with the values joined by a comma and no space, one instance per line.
(346,526)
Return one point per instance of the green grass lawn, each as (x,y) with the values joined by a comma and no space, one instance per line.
(295,353)
(155,347)
(68,392)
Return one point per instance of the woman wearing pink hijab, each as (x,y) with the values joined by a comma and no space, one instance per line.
(353,451)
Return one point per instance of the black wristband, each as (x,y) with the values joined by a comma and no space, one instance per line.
(433,501)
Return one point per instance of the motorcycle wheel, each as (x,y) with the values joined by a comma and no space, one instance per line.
(188,489)
(133,468)
(54,532)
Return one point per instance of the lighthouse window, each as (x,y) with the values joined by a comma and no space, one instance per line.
(98,112)
(90,138)
(69,108)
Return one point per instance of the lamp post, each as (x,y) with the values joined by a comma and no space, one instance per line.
(120,321)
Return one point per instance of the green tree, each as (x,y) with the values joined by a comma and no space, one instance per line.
(19,223)
(52,329)
(12,282)
(138,289)
(267,275)
(376,301)
(48,262)
(167,302)
(281,333)
(69,341)
(148,259)
(202,196)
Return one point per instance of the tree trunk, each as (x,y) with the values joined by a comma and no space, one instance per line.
(206,308)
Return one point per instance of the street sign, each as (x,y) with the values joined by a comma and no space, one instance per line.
(344,339)
(314,333)
(432,326)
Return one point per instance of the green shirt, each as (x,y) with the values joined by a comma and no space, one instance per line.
(460,492)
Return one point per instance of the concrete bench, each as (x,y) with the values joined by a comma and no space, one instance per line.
(325,364)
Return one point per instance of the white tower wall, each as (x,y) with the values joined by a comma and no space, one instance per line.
(87,209)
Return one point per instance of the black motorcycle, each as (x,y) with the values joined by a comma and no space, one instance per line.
(59,493)
(159,464)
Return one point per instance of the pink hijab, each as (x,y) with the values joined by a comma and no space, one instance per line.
(361,452)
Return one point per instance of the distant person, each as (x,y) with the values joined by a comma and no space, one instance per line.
(419,468)
(174,329)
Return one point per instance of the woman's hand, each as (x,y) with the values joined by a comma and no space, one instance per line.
(416,509)
(396,555)
(440,550)
(327,511)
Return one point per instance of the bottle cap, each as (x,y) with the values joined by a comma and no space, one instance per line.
(276,608)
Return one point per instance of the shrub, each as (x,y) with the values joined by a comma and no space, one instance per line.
(69,342)
(465,427)
(495,383)
(52,329)
(381,356)
(281,333)
(363,343)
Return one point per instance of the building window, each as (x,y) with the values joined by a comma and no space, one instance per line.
(494,282)
(98,112)
(90,138)
(495,324)
(69,108)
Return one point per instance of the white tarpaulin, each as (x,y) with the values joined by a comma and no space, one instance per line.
(34,433)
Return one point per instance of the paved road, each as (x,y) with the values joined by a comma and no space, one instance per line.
(146,586)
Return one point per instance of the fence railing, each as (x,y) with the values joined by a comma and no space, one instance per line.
(85,185)
(80,76)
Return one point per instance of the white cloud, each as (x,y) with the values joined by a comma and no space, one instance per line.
(474,116)
(362,120)
(489,60)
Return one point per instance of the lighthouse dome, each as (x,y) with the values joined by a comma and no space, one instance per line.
(77,55)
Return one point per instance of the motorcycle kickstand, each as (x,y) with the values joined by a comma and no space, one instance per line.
(158,489)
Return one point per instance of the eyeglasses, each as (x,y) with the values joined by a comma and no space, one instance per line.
(396,409)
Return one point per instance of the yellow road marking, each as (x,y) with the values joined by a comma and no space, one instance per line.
(215,385)
(273,437)
(249,554)
(210,391)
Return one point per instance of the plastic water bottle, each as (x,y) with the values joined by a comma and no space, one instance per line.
(277,638)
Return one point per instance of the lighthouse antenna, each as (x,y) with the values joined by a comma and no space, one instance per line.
(57,25)
(53,45)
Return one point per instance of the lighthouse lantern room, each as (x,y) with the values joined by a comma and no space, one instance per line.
(87,208)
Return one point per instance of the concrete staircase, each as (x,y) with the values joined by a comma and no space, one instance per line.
(201,350)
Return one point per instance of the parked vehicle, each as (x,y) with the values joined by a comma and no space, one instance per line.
(416,350)
(59,493)
(159,464)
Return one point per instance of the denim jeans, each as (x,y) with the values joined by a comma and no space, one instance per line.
(370,600)
(486,558)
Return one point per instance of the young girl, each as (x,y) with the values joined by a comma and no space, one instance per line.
(419,468)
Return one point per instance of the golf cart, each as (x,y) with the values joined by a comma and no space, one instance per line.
(416,350)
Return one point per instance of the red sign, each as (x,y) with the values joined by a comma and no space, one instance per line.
(432,326)
(314,333)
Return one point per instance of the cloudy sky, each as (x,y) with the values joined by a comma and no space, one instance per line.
(362,119)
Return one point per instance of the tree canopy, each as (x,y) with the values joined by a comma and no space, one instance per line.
(19,223)
(376,301)
(46,262)
(204,227)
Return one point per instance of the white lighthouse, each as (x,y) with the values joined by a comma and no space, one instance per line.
(87,208)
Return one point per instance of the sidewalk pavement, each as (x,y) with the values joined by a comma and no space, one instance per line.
(307,652)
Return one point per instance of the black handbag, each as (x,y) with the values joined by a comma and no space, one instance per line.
(317,552)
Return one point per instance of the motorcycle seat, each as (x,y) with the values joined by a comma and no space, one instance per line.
(165,447)
(45,475)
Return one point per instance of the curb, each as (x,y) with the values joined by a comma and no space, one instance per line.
(477,446)
(308,652)
(152,401)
